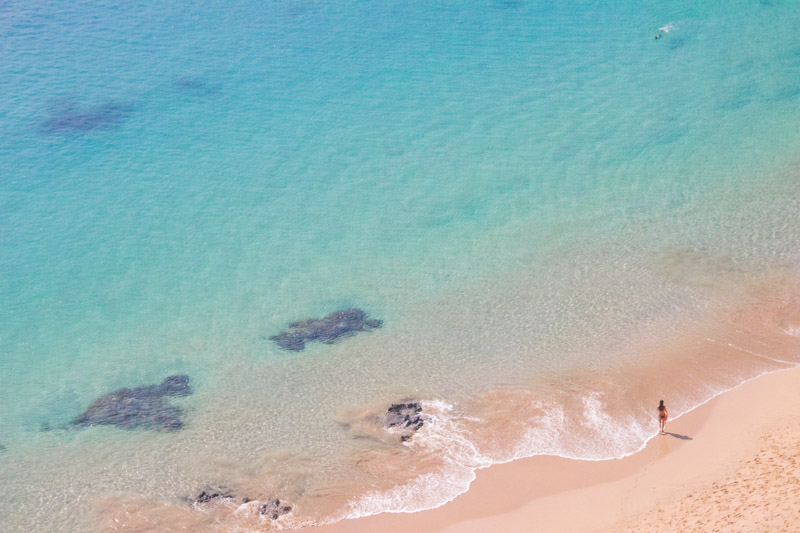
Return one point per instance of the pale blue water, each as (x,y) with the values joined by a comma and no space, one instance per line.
(227,169)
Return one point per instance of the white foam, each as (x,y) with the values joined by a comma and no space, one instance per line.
(546,432)
(553,433)
(794,331)
(595,418)
(445,436)
(667,28)
(249,509)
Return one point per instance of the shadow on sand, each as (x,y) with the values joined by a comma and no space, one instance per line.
(682,437)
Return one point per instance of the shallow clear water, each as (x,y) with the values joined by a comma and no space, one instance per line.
(531,196)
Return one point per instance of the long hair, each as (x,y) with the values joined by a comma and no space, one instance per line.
(661,405)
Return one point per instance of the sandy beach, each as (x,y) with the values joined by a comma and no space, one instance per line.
(729,465)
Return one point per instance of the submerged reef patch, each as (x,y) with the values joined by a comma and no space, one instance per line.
(69,118)
(196,86)
(140,408)
(337,325)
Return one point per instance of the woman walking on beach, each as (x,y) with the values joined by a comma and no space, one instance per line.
(662,415)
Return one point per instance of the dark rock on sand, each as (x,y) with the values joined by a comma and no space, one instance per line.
(337,325)
(271,508)
(143,407)
(407,416)
(68,118)
(274,508)
(404,414)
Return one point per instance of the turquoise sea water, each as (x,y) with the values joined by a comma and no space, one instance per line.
(522,191)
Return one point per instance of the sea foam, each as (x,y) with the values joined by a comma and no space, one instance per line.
(446,437)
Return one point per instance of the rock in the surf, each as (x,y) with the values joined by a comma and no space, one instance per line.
(407,416)
(274,508)
(209,494)
(337,325)
(139,408)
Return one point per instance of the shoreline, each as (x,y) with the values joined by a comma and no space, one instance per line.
(547,493)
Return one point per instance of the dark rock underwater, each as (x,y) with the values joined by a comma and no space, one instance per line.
(327,330)
(69,118)
(139,408)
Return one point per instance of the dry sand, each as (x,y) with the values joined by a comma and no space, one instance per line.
(729,465)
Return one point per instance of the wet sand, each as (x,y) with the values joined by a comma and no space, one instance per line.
(730,464)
